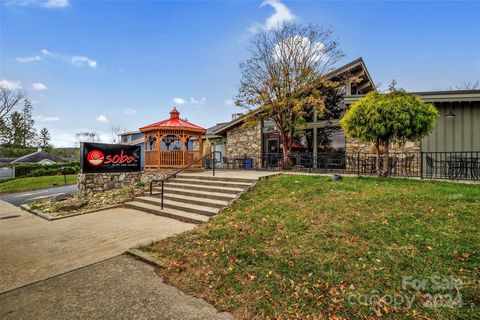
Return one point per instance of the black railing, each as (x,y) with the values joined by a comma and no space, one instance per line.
(432,165)
(451,165)
(206,161)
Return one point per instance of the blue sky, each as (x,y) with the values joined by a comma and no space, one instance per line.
(92,65)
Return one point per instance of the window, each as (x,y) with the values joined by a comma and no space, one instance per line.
(330,139)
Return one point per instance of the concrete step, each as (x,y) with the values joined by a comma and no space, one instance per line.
(196,193)
(214,183)
(173,204)
(216,178)
(201,201)
(169,213)
(189,186)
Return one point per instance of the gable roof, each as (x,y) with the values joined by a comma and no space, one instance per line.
(37,157)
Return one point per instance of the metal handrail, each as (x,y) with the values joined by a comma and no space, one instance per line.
(182,169)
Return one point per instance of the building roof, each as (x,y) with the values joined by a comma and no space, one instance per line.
(6,160)
(133,142)
(129,133)
(37,157)
(434,96)
(174,122)
(355,68)
(216,127)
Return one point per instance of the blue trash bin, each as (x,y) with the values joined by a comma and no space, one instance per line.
(248,163)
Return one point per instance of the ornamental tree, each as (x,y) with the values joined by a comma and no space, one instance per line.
(383,119)
(286,76)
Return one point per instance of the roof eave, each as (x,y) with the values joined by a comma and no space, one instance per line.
(432,96)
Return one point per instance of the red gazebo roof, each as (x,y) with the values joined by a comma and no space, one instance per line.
(173,122)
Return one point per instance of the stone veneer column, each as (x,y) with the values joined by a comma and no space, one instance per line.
(244,141)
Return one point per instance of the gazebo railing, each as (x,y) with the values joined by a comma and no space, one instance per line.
(171,158)
(208,158)
(178,158)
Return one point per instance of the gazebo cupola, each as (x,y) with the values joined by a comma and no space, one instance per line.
(172,143)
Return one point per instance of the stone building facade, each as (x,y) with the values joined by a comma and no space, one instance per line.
(242,140)
(353,145)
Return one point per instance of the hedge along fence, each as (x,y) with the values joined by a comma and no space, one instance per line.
(38,170)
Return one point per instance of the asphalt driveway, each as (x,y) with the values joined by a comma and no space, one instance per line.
(34,249)
(20,198)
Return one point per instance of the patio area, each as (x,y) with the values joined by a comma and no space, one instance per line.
(431,165)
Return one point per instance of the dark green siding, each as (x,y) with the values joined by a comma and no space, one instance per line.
(461,133)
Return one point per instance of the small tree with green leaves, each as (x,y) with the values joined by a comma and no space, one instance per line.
(384,119)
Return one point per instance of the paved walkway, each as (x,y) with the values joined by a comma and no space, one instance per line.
(34,249)
(118,288)
(233,173)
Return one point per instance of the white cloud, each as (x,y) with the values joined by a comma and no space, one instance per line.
(55,4)
(179,101)
(39,86)
(29,59)
(314,51)
(76,60)
(48,4)
(282,14)
(10,84)
(129,111)
(48,53)
(229,102)
(198,101)
(82,61)
(45,119)
(102,119)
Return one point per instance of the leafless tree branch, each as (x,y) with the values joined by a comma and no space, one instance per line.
(9,99)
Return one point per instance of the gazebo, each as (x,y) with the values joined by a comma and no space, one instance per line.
(172,143)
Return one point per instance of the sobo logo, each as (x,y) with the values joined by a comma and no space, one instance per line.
(95,158)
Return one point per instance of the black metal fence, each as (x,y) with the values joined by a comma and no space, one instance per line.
(432,165)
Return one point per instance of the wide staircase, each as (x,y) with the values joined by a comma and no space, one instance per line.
(191,198)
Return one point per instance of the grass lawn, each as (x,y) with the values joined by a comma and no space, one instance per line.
(26,184)
(304,247)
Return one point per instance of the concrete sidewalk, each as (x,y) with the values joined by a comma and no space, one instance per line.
(33,249)
(118,288)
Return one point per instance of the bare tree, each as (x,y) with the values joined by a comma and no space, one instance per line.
(86,136)
(468,85)
(9,99)
(285,77)
(115,134)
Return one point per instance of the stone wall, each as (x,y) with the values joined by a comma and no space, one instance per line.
(244,141)
(90,183)
(353,146)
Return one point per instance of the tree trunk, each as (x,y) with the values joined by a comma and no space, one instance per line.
(377,160)
(386,160)
(285,148)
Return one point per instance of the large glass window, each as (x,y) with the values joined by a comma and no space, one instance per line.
(334,105)
(330,139)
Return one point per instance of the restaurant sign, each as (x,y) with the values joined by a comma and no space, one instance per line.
(102,157)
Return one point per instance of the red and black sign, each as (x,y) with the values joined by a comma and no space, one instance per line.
(102,157)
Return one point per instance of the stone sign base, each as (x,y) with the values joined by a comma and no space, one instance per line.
(90,183)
